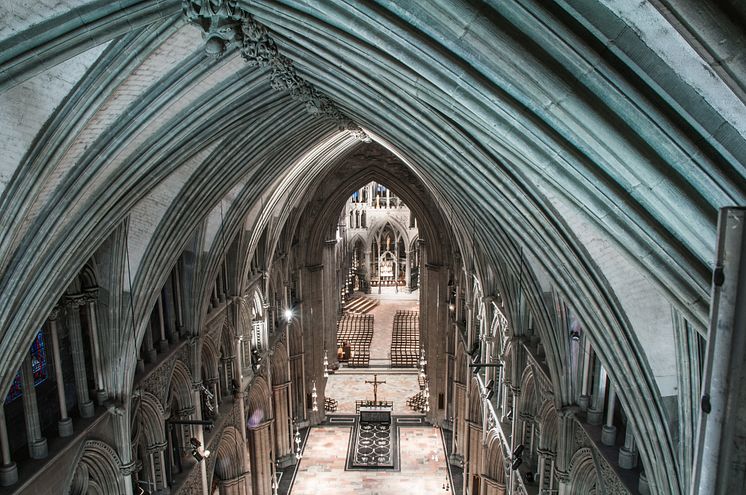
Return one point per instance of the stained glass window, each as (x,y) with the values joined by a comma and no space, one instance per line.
(38,367)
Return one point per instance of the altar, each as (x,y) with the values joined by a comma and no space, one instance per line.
(376,413)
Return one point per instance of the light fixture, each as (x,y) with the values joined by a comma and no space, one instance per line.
(314,406)
(518,451)
(516,462)
(288,314)
(298,453)
(488,395)
(197,451)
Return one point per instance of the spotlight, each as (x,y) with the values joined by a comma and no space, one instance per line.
(490,384)
(195,443)
(475,369)
(489,394)
(288,314)
(197,455)
(518,451)
(516,462)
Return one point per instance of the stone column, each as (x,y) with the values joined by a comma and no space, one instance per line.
(221,282)
(565,448)
(545,467)
(283,444)
(594,415)
(585,399)
(98,368)
(85,404)
(163,343)
(65,424)
(261,462)
(408,272)
(368,271)
(514,442)
(37,444)
(151,356)
(177,300)
(9,470)
(608,431)
(628,453)
(169,312)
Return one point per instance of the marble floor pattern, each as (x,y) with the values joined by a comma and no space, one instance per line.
(321,471)
(346,388)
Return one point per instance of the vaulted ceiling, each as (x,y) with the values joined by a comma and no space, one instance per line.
(591,141)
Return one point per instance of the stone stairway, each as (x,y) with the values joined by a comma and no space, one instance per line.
(360,305)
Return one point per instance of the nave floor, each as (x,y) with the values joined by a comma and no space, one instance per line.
(321,471)
(348,386)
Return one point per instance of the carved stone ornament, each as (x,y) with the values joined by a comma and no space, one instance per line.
(220,20)
(224,24)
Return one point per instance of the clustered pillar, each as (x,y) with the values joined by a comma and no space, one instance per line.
(85,404)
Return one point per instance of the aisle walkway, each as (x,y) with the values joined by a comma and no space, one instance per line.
(383,319)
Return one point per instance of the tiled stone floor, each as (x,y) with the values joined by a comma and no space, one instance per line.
(347,387)
(321,471)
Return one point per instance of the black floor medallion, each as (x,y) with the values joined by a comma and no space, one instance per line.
(373,446)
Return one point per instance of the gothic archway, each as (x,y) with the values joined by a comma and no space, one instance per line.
(259,432)
(97,471)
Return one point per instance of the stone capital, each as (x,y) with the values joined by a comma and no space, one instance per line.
(130,468)
(568,412)
(562,475)
(54,314)
(74,301)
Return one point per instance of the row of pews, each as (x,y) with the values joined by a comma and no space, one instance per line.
(405,340)
(354,334)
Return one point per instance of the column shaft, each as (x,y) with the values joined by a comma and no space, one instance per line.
(65,424)
(163,344)
(37,444)
(9,470)
(85,405)
(97,364)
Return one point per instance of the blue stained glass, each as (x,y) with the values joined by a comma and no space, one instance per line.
(38,367)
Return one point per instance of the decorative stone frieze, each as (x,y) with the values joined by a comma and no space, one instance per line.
(225,24)
(157,381)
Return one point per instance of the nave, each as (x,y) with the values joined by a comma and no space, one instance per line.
(191,192)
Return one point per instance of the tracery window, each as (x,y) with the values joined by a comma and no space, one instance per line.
(38,367)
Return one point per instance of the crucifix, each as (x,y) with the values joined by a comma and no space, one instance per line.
(375,384)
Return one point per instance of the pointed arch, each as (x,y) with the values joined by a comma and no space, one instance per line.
(180,387)
(528,404)
(210,360)
(258,409)
(97,471)
(229,456)
(548,426)
(584,472)
(280,365)
(494,466)
(475,403)
(150,418)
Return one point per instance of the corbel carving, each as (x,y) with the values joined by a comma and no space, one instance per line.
(224,23)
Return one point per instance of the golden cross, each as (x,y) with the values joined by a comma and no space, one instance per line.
(375,384)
